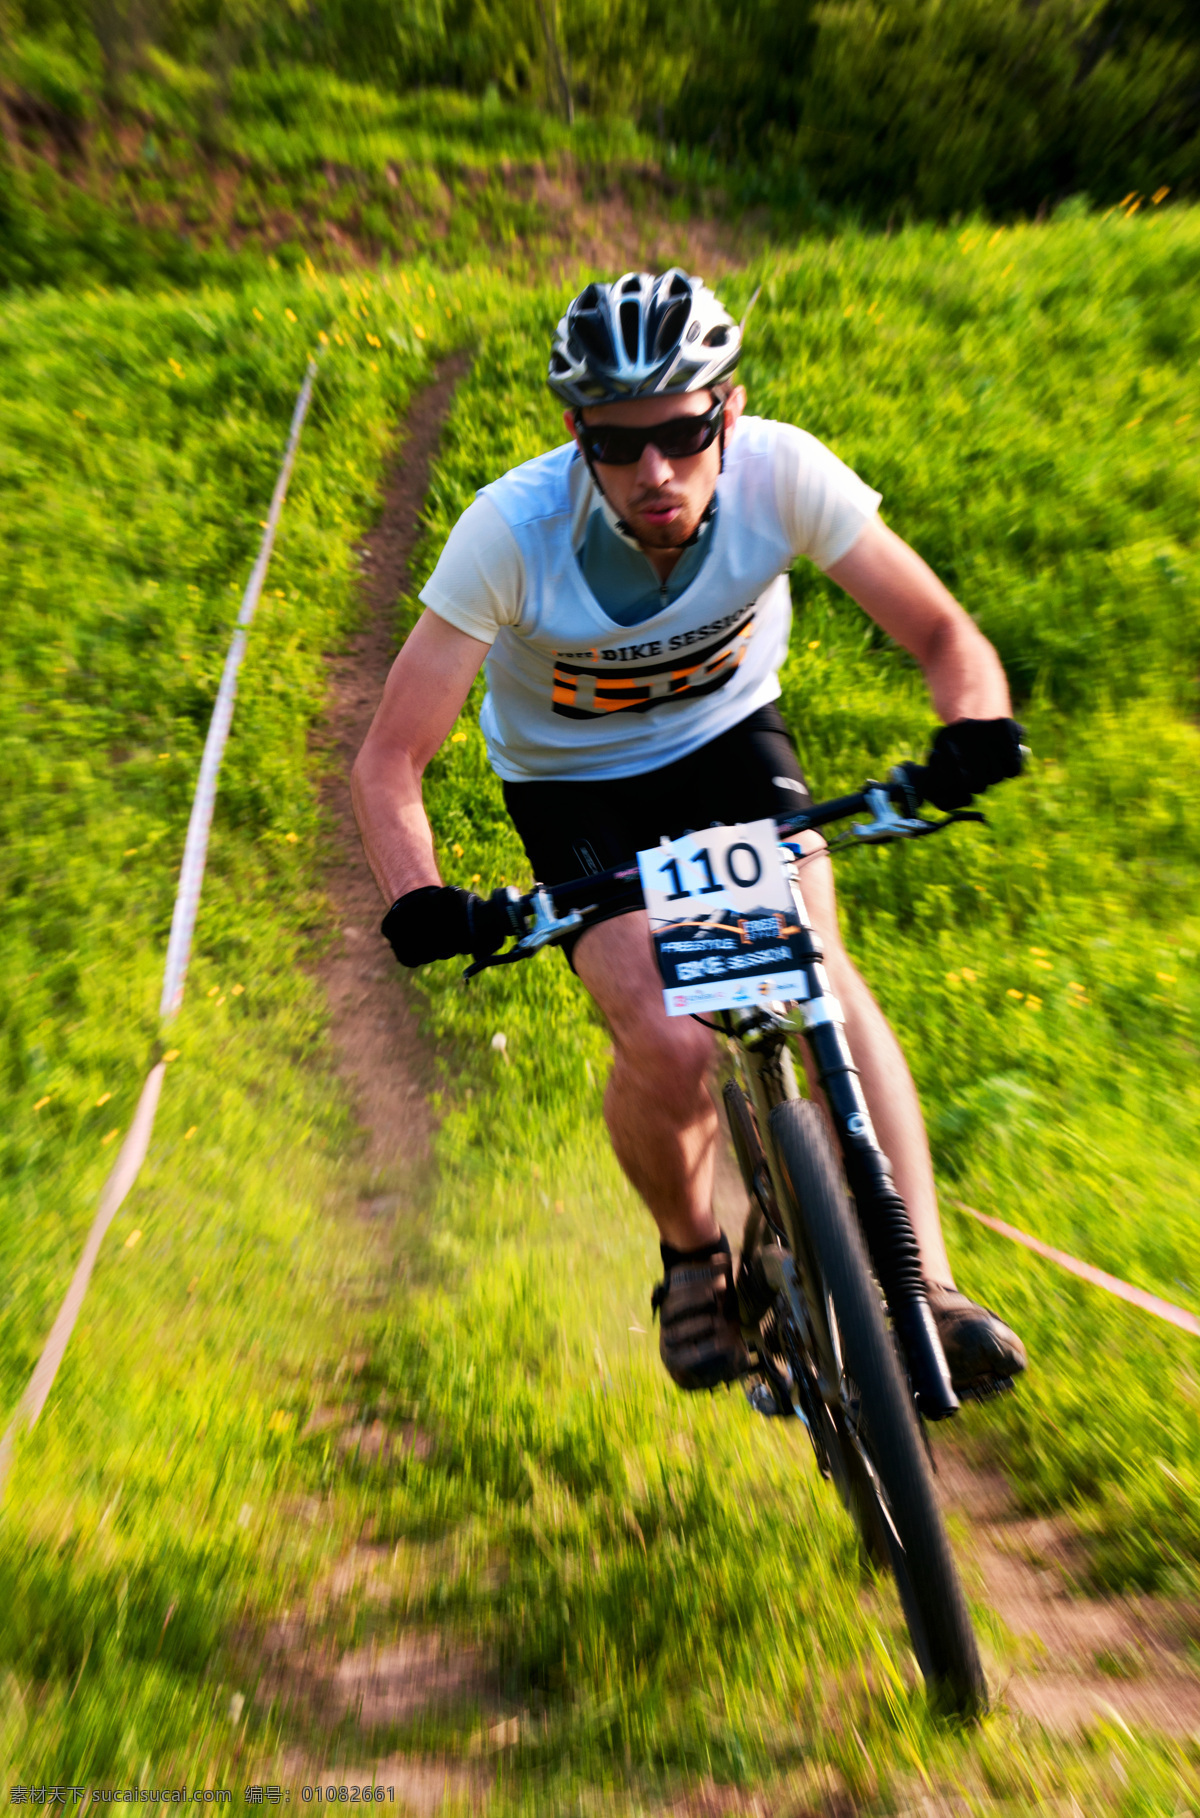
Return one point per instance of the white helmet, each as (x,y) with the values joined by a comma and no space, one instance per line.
(642,337)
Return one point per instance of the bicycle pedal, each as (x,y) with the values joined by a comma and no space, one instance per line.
(989,1389)
(762,1399)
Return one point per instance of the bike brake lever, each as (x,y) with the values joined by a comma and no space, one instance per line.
(955,814)
(547,927)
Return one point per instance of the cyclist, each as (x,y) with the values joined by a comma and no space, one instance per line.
(628,593)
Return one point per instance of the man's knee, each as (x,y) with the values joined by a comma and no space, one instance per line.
(667,1054)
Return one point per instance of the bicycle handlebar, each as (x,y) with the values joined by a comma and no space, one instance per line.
(548,912)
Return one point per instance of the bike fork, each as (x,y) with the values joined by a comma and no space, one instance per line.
(882,1213)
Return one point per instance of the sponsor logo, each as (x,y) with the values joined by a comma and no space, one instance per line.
(629,679)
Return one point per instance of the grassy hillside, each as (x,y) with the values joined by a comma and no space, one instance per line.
(188,180)
(667,1589)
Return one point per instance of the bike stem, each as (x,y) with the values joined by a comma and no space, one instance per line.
(882,1213)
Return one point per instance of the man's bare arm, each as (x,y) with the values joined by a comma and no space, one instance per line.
(424,693)
(903,595)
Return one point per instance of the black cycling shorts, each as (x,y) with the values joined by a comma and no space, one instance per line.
(574,829)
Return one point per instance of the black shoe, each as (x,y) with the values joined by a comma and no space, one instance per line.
(700,1340)
(983,1353)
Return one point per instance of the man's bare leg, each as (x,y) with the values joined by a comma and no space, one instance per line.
(657,1108)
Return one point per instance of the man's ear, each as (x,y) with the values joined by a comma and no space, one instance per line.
(569,420)
(735,404)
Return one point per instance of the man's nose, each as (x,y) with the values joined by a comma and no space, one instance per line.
(654,469)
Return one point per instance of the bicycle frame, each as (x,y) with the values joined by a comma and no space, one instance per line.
(761,1034)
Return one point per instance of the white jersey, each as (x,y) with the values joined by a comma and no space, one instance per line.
(574,695)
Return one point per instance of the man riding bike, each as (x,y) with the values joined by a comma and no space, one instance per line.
(628,593)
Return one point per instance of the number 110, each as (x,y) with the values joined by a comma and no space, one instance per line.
(711,887)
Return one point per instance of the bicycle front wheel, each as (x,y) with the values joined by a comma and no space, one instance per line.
(892,1488)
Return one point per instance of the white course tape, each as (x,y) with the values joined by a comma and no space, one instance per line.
(183,922)
(195,850)
(125,1172)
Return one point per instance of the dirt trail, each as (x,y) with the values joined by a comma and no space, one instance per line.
(1078,1659)
(374,1030)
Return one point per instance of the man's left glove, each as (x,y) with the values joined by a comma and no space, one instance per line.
(966,758)
(438,921)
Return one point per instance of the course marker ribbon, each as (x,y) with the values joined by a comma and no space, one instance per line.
(132,1153)
(1099,1278)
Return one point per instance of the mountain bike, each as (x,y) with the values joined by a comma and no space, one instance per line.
(829,1284)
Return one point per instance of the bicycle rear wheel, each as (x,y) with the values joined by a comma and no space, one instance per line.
(892,1496)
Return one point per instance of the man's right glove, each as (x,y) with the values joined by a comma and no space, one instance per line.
(438,921)
(966,758)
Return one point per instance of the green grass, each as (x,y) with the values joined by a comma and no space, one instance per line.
(667,1588)
(189,182)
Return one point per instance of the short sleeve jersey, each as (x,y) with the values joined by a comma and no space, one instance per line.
(574,694)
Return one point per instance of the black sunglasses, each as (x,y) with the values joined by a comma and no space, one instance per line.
(616,445)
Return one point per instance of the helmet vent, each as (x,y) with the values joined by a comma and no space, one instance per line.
(670,327)
(593,334)
(716,337)
(630,324)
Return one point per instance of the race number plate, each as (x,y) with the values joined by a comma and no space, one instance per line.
(721,918)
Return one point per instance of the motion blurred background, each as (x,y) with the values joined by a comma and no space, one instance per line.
(361,1468)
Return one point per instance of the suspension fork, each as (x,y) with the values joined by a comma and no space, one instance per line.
(882,1213)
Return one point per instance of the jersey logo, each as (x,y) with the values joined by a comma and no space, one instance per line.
(587,692)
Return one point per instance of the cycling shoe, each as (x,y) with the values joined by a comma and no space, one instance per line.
(700,1341)
(983,1353)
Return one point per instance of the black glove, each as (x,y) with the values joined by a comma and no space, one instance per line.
(438,921)
(966,758)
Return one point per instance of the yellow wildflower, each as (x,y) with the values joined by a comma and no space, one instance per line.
(105,1140)
(135,1237)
